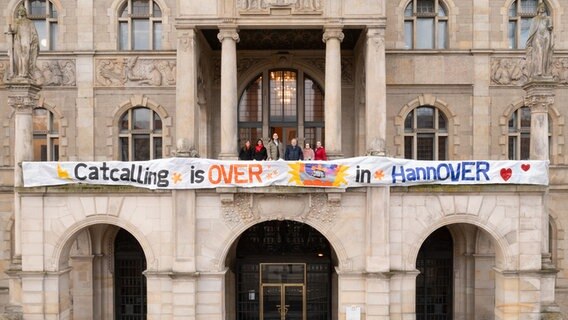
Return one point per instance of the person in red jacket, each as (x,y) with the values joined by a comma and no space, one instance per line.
(320,152)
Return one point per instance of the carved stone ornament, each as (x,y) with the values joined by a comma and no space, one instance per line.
(135,71)
(333,33)
(237,208)
(228,33)
(57,73)
(324,207)
(294,6)
(185,41)
(514,72)
(539,103)
(184,150)
(22,103)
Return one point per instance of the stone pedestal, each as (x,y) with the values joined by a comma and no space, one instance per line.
(229,97)
(332,38)
(539,98)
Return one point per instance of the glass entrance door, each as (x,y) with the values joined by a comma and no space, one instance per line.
(283,302)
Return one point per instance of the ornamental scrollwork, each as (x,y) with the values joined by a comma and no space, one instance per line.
(323,207)
(237,208)
(296,6)
(135,71)
(514,72)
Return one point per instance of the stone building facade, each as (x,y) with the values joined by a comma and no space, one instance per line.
(423,79)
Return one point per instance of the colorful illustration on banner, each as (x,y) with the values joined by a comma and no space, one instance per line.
(62,173)
(318,174)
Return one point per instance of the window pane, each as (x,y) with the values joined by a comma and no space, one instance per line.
(442,148)
(441,10)
(141,147)
(289,95)
(157,123)
(123,35)
(513,9)
(425,33)
(529,6)
(409,122)
(512,148)
(252,134)
(52,11)
(141,118)
(123,123)
(157,148)
(140,34)
(40,147)
(157,12)
(140,8)
(53,36)
(525,27)
(124,11)
(408,34)
(250,107)
(525,118)
(525,146)
(512,34)
(513,122)
(408,147)
(157,36)
(425,6)
(442,123)
(425,117)
(314,102)
(40,118)
(42,33)
(54,149)
(37,7)
(425,147)
(408,12)
(442,31)
(123,145)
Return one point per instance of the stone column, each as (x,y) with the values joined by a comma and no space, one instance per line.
(229,97)
(375,92)
(332,38)
(539,98)
(186,88)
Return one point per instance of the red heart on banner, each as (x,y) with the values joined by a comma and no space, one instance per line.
(506,173)
(525,167)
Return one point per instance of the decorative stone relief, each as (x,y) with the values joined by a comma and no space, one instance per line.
(324,207)
(318,63)
(514,72)
(135,71)
(246,63)
(3,71)
(295,6)
(237,208)
(347,70)
(55,73)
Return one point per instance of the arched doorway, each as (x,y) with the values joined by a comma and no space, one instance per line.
(434,284)
(283,101)
(129,280)
(283,270)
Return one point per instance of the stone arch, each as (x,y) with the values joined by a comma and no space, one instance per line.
(137,101)
(112,14)
(557,125)
(13,5)
(453,27)
(60,254)
(428,100)
(501,245)
(336,244)
(556,12)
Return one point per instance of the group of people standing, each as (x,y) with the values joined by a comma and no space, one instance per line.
(275,151)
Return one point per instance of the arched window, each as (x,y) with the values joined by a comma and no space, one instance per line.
(426,134)
(426,25)
(44,15)
(520,134)
(140,25)
(140,136)
(287,102)
(45,135)
(520,14)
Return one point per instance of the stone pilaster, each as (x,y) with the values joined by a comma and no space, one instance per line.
(186,88)
(332,38)
(375,92)
(229,97)
(539,98)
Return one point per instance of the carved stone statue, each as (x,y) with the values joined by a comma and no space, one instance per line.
(24,47)
(540,44)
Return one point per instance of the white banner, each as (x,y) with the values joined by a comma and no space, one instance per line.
(196,173)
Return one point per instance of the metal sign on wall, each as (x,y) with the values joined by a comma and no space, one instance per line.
(196,173)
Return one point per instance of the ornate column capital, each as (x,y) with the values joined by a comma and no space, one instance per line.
(185,39)
(23,97)
(539,103)
(228,32)
(333,33)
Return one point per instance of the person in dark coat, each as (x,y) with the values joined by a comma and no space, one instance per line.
(260,153)
(293,152)
(247,152)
